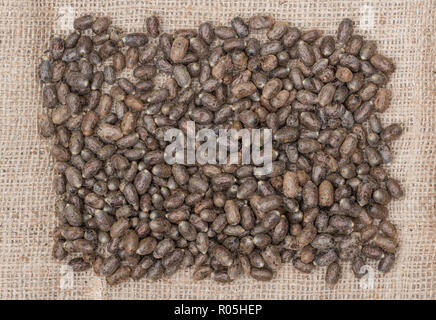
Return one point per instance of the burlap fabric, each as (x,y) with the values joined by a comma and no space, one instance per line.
(404,30)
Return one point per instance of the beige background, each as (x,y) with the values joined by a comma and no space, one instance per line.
(404,30)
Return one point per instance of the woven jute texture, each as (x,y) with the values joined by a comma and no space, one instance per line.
(404,30)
